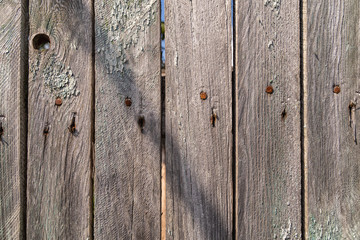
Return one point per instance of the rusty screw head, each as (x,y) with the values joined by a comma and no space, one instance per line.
(203,95)
(336,89)
(128,101)
(269,89)
(58,101)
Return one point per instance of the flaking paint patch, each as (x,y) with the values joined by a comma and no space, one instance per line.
(122,28)
(328,230)
(59,79)
(35,67)
(275,5)
(286,231)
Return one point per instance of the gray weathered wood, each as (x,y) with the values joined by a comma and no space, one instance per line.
(332,152)
(58,189)
(127,175)
(198,151)
(268,181)
(12,152)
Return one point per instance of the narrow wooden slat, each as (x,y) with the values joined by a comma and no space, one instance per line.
(11,127)
(332,122)
(128,119)
(198,132)
(58,193)
(268,181)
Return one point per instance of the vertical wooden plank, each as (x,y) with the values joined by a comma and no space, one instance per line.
(128,119)
(332,118)
(58,192)
(12,153)
(267,45)
(198,126)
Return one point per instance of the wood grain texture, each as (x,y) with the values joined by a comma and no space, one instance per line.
(333,151)
(58,189)
(127,135)
(12,154)
(198,132)
(268,181)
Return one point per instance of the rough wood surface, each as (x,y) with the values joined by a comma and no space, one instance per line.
(333,119)
(268,181)
(198,132)
(12,154)
(128,119)
(58,189)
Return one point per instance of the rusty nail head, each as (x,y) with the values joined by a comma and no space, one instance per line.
(58,101)
(128,101)
(269,89)
(336,89)
(203,95)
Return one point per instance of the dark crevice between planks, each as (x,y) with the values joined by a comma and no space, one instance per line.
(24,75)
(234,123)
(92,141)
(163,114)
(163,157)
(302,4)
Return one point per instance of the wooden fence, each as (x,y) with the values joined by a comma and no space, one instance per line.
(252,135)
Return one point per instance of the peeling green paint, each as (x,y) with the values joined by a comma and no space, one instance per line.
(59,79)
(274,5)
(328,231)
(122,28)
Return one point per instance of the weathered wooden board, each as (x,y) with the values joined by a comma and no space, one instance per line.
(12,124)
(198,132)
(268,180)
(59,172)
(128,119)
(333,150)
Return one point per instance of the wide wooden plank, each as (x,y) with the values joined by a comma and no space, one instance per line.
(198,120)
(128,119)
(59,141)
(12,124)
(268,180)
(333,152)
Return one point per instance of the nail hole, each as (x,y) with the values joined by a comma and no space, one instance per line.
(213,118)
(72,127)
(283,114)
(352,106)
(141,122)
(1,129)
(46,129)
(1,126)
(41,42)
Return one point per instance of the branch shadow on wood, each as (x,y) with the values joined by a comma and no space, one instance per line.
(217,226)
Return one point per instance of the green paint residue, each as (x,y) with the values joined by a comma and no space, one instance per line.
(59,79)
(121,30)
(329,230)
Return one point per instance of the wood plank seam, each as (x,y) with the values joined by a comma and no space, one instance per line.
(24,65)
(92,141)
(303,114)
(235,153)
